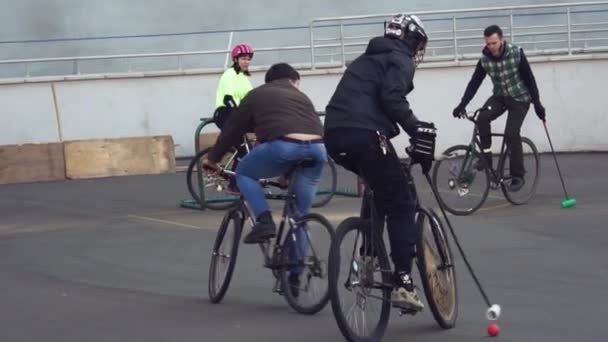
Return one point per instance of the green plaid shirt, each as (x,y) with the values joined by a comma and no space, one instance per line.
(505,74)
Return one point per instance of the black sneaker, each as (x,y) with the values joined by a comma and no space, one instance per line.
(516,184)
(263,230)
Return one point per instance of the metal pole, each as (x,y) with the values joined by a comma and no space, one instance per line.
(179,63)
(312,48)
(455,38)
(512,27)
(230,37)
(342,44)
(569,32)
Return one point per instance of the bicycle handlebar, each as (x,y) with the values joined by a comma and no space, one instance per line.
(472,116)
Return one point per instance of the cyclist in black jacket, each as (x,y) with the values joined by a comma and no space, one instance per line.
(363,114)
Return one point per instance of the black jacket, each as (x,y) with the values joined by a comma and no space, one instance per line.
(372,92)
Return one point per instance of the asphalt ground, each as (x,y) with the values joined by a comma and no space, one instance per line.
(117,259)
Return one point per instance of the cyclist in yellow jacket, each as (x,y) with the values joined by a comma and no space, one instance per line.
(234,85)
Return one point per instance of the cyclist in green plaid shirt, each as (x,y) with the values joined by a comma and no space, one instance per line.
(514,89)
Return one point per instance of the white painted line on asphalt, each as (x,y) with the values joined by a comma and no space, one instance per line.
(173,223)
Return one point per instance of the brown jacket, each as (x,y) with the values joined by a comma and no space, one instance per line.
(272,111)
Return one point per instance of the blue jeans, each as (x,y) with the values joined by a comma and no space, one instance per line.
(274,159)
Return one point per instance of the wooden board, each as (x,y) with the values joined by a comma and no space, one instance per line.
(207,140)
(119,157)
(31,163)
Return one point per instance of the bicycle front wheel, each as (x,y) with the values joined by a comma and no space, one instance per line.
(461,187)
(532,167)
(436,267)
(207,188)
(306,254)
(359,285)
(223,257)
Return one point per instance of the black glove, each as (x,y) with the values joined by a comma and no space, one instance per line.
(459,111)
(229,102)
(422,148)
(540,110)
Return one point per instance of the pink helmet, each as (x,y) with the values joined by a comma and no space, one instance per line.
(241,49)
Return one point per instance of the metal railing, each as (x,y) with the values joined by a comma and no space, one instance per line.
(454,35)
(568,28)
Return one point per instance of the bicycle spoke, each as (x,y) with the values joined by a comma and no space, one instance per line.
(305,256)
(436,270)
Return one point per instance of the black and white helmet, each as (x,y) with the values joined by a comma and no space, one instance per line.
(408,27)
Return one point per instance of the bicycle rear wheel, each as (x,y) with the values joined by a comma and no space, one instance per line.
(207,188)
(532,167)
(461,187)
(225,251)
(327,186)
(306,254)
(436,267)
(360,286)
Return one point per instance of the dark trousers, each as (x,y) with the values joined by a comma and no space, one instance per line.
(517,113)
(358,151)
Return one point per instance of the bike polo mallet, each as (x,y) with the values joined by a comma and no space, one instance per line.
(493,310)
(568,202)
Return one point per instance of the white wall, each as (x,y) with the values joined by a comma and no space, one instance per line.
(110,108)
(27,114)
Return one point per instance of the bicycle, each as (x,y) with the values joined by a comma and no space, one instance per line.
(463,179)
(209,189)
(292,252)
(353,272)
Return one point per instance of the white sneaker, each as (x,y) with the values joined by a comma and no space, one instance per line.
(404,294)
(404,299)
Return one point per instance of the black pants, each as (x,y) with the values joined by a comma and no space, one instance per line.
(517,113)
(220,116)
(358,151)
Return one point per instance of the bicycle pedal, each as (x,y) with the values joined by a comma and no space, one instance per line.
(278,290)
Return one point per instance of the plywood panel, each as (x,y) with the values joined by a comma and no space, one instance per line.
(119,157)
(31,163)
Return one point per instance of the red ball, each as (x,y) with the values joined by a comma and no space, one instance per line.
(493,329)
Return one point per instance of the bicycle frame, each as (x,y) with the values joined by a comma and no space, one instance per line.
(368,211)
(230,160)
(272,253)
(225,168)
(476,143)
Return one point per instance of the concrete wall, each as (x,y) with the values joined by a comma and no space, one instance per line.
(35,19)
(128,107)
(68,28)
(27,114)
